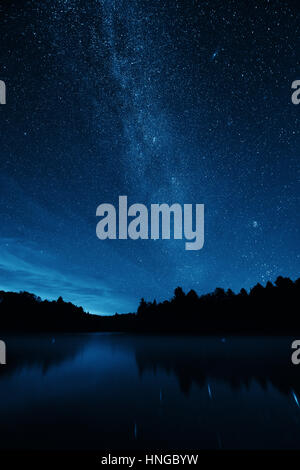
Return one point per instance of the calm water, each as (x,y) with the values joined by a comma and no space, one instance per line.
(114,391)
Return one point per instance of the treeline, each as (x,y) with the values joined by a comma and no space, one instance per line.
(26,312)
(273,309)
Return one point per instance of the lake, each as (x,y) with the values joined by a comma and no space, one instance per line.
(121,391)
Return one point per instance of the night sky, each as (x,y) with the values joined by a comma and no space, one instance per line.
(163,101)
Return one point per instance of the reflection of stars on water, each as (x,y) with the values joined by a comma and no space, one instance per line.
(215,54)
(135,430)
(295,398)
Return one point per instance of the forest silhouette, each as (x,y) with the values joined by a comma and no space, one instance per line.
(273,309)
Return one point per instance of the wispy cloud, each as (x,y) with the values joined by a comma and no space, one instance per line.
(26,267)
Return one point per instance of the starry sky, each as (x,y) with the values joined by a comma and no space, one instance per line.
(162,101)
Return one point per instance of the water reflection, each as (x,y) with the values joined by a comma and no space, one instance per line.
(237,361)
(44,351)
(114,391)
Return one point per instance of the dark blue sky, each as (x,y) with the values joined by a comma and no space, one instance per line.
(162,101)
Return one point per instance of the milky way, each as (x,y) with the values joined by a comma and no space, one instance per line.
(168,101)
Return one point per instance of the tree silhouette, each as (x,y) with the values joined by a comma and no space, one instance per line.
(265,310)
